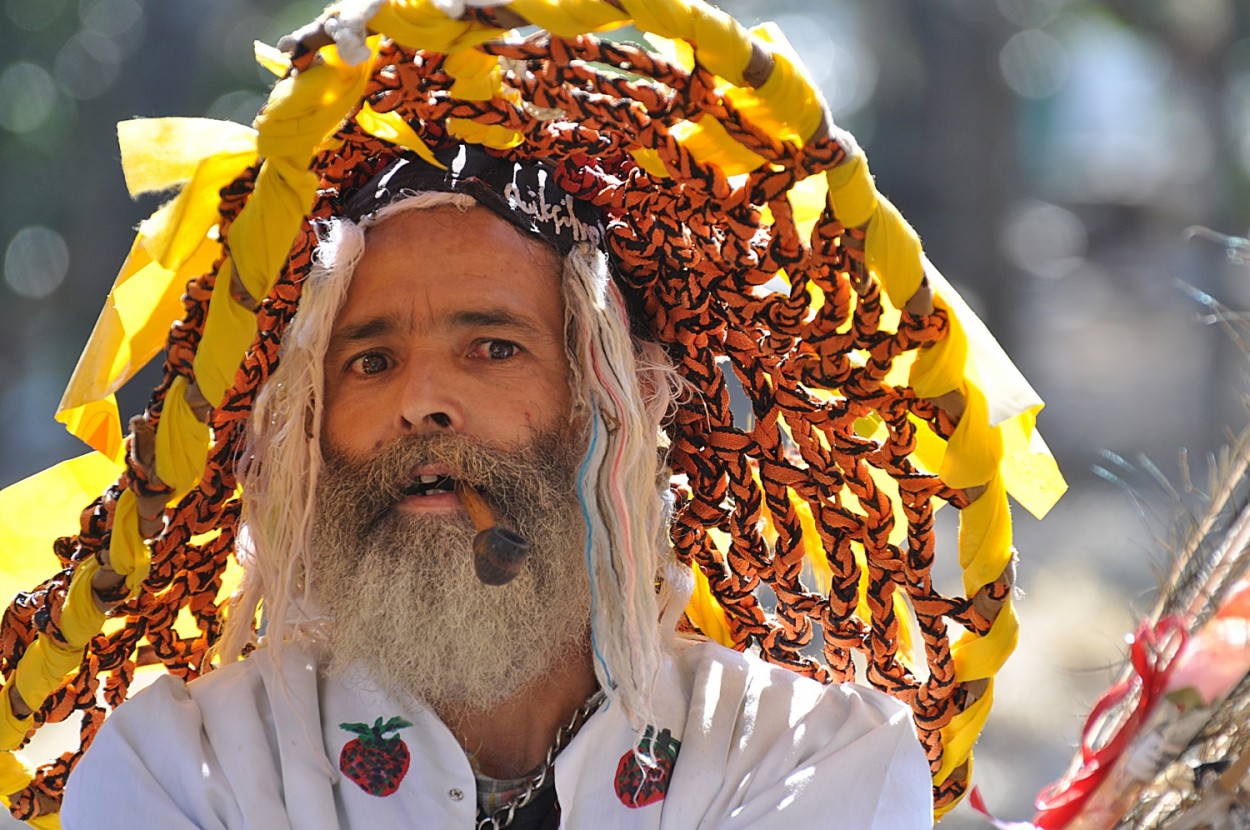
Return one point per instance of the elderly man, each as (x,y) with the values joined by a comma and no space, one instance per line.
(451,382)
(437,349)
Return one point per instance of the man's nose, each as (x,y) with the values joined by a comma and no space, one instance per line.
(431,399)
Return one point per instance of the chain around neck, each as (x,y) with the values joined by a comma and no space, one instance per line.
(503,817)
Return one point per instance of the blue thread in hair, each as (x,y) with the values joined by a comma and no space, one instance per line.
(581,500)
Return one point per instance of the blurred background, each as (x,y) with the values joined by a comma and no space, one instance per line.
(1051,153)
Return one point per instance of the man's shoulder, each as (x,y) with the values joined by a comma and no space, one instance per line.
(743,679)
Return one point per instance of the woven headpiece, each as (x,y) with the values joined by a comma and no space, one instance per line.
(753,239)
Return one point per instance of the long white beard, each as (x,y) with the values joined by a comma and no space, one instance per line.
(402,593)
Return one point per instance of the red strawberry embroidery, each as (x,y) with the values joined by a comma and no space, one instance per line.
(375,762)
(638,785)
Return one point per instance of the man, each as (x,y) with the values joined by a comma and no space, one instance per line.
(470,438)
(439,340)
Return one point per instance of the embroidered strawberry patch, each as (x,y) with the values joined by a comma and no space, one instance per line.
(638,783)
(375,762)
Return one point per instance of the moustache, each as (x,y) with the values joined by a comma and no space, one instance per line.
(507,478)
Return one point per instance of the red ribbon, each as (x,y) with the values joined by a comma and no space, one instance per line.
(977,803)
(1062,801)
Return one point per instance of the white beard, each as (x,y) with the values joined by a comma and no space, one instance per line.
(405,602)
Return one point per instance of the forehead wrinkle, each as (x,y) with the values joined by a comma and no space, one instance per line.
(361,331)
(498,318)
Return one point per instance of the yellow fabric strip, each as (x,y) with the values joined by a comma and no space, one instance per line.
(51,821)
(477,75)
(160,153)
(705,612)
(14,775)
(128,555)
(228,330)
(97,423)
(13,730)
(813,547)
(304,109)
(43,668)
(420,24)
(650,161)
(38,509)
(271,59)
(478,78)
(791,98)
(961,733)
(569,18)
(985,537)
(1029,470)
(891,247)
(260,241)
(892,251)
(301,112)
(488,135)
(708,142)
(181,440)
(975,448)
(81,618)
(977,658)
(852,194)
(176,231)
(132,327)
(390,126)
(988,366)
(721,44)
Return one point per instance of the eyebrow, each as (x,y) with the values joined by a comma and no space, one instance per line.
(384,325)
(364,330)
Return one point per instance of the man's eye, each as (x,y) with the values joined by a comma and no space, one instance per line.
(370,364)
(501,349)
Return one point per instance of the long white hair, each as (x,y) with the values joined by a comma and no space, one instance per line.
(621,387)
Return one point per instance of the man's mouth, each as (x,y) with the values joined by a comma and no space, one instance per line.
(431,485)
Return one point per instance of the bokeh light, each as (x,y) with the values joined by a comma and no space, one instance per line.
(1113,135)
(35,262)
(27,96)
(33,15)
(1044,239)
(111,18)
(1034,64)
(87,65)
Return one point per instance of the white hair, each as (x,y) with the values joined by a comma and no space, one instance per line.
(622,387)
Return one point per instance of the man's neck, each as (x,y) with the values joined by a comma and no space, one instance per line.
(512,738)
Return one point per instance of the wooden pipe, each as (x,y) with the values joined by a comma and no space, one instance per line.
(499,553)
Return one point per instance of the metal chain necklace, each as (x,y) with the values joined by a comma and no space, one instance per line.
(503,817)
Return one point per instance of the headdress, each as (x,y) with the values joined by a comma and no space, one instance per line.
(750,231)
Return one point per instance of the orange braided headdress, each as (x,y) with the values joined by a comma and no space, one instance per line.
(809,529)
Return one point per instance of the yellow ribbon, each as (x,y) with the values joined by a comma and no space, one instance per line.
(13,730)
(128,554)
(569,18)
(181,440)
(721,44)
(705,612)
(390,126)
(421,24)
(229,329)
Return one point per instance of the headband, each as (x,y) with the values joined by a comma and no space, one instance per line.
(526,194)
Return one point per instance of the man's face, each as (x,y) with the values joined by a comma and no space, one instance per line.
(447,361)
(454,322)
